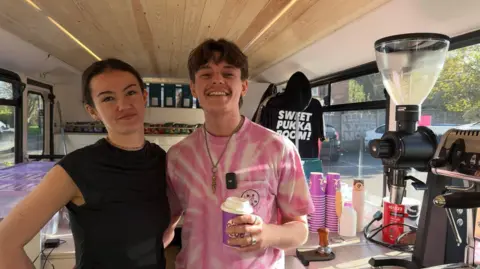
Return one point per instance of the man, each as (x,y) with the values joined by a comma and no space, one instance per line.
(267,167)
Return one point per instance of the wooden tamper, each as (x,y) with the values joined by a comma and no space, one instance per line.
(323,248)
(322,253)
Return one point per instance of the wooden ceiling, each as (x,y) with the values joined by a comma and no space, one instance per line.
(156,36)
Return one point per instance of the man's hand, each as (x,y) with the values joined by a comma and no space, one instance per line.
(256,233)
(293,232)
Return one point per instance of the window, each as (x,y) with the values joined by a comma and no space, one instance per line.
(6,90)
(345,152)
(321,93)
(35,124)
(357,90)
(355,108)
(7,136)
(10,118)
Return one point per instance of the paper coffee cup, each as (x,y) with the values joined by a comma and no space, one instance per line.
(232,208)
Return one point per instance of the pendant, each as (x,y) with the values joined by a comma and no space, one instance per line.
(214,183)
(214,178)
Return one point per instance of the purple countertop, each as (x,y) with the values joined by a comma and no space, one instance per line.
(19,180)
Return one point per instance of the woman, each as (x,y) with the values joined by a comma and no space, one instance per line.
(114,190)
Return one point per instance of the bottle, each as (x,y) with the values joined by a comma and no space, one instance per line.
(348,221)
(358,202)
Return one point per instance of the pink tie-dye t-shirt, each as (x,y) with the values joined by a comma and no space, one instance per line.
(268,172)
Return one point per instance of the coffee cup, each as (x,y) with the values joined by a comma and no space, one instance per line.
(232,208)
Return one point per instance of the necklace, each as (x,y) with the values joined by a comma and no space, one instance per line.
(215,165)
(122,147)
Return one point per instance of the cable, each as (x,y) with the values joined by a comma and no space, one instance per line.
(398,247)
(36,258)
(46,257)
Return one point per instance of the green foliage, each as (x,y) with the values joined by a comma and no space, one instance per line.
(34,130)
(6,110)
(8,163)
(356,92)
(6,93)
(458,87)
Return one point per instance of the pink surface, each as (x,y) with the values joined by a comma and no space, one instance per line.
(17,181)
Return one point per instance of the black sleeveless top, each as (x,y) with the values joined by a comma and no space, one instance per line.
(126,209)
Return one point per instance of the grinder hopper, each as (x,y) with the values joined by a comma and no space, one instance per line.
(410,65)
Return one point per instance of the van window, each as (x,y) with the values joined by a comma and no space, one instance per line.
(7,135)
(35,124)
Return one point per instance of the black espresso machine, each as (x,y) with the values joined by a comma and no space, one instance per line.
(410,65)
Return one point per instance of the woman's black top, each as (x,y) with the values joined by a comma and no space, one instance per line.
(126,209)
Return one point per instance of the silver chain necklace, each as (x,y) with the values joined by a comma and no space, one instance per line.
(215,165)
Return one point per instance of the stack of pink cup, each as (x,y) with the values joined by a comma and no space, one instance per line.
(318,187)
(333,186)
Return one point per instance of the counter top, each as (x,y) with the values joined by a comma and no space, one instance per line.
(17,181)
(353,252)
(350,252)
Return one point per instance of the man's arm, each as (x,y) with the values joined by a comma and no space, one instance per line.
(294,201)
(293,232)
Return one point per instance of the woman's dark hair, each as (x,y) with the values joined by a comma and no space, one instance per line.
(101,67)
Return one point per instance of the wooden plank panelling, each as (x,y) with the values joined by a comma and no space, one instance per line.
(156,36)
(286,20)
(250,11)
(22,20)
(210,16)
(158,19)
(316,22)
(267,14)
(177,7)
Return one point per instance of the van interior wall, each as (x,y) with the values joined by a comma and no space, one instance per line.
(70,98)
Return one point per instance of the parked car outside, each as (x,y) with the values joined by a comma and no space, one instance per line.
(330,148)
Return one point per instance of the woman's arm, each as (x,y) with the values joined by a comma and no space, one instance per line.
(31,214)
(170,232)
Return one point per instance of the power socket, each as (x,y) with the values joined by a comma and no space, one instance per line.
(51,243)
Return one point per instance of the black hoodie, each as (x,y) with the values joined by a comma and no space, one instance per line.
(294,114)
(270,91)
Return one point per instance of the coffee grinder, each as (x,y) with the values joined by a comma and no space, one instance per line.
(410,65)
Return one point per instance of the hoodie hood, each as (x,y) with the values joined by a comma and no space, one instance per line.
(296,96)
